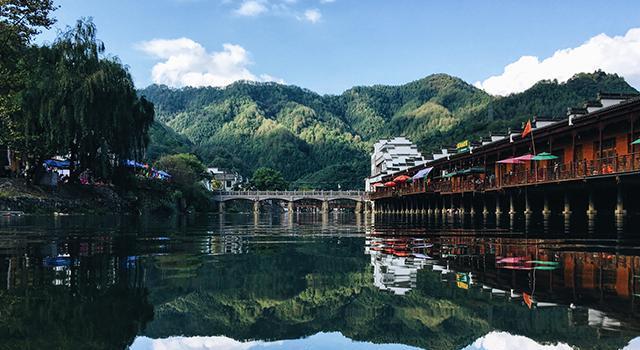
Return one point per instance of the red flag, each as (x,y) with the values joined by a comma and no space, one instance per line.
(527,129)
(527,300)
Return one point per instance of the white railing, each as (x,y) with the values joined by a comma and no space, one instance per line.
(291,193)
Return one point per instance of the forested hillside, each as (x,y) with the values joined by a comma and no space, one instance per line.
(322,141)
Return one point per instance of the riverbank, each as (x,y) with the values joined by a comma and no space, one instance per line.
(16,197)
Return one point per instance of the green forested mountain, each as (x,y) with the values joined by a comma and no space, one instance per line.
(320,141)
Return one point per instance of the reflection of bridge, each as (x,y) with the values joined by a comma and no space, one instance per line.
(291,197)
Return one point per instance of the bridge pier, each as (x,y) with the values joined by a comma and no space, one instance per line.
(325,207)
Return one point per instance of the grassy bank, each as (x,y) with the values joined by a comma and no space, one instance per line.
(134,198)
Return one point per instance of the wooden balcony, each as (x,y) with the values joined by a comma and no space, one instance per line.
(604,167)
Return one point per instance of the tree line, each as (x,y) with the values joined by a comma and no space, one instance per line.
(66,99)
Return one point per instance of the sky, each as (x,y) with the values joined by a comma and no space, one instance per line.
(320,341)
(329,46)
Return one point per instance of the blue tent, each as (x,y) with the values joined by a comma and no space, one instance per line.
(133,164)
(62,164)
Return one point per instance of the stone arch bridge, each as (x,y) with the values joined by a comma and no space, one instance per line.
(325,197)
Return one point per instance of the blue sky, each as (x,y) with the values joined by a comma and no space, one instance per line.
(330,45)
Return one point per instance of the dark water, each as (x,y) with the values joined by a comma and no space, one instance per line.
(318,282)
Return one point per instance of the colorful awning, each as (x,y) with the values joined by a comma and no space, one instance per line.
(401,178)
(377,184)
(545,156)
(636,142)
(390,184)
(472,170)
(525,157)
(510,161)
(422,173)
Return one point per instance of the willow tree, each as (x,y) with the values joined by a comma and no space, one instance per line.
(83,104)
(20,21)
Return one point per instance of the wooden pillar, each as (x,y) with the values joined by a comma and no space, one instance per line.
(256,206)
(291,207)
(527,200)
(546,210)
(620,209)
(221,207)
(567,203)
(485,209)
(591,210)
(512,204)
(358,207)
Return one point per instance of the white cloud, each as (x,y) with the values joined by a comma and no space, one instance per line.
(618,54)
(313,15)
(187,63)
(506,341)
(326,1)
(192,343)
(251,8)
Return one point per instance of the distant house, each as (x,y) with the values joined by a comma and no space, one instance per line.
(391,156)
(223,179)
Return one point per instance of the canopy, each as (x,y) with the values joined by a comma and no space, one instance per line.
(545,156)
(451,174)
(377,184)
(636,142)
(133,164)
(422,173)
(390,184)
(401,178)
(63,164)
(472,170)
(163,174)
(510,161)
(525,157)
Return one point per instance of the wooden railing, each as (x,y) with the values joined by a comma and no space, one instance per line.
(536,175)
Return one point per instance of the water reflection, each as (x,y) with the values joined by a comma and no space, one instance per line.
(315,281)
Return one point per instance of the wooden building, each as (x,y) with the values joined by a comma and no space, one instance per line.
(586,161)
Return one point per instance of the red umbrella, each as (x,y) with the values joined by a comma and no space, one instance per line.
(525,157)
(401,178)
(390,184)
(377,184)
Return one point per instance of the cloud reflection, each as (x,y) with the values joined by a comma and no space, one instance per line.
(315,342)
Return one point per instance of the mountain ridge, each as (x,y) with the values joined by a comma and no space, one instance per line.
(323,141)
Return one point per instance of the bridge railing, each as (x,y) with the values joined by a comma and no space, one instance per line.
(291,193)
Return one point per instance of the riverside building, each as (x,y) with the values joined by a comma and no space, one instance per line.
(391,156)
(588,161)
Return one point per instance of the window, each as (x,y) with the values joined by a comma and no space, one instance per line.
(608,148)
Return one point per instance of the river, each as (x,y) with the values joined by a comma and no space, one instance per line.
(338,281)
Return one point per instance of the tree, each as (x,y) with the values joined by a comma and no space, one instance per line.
(20,21)
(80,103)
(267,179)
(185,169)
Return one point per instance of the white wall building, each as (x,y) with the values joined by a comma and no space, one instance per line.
(228,179)
(390,156)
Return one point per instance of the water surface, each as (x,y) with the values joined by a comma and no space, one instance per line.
(338,281)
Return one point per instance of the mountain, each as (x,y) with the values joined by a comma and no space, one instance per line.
(322,141)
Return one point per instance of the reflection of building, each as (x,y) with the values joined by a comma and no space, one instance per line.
(223,179)
(396,263)
(391,156)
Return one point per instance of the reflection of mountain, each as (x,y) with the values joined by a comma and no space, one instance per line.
(269,287)
(299,289)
